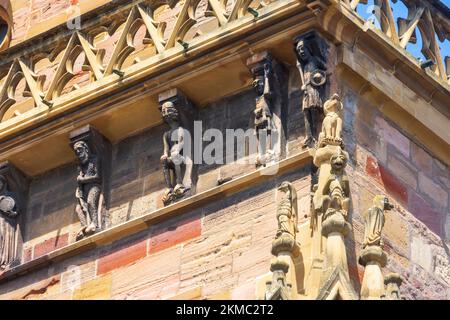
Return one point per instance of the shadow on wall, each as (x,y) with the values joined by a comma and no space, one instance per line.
(51,203)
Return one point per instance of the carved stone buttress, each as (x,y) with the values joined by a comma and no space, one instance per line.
(178,113)
(330,210)
(310,51)
(285,246)
(93,152)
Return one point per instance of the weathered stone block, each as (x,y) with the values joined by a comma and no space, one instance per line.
(50,245)
(148,277)
(168,235)
(421,253)
(421,159)
(246,291)
(403,171)
(392,136)
(423,211)
(27,255)
(396,230)
(433,190)
(97,289)
(393,186)
(77,273)
(373,169)
(122,257)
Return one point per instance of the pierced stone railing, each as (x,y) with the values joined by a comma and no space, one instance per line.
(108,45)
(430,17)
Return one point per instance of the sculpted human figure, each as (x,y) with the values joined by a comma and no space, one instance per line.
(287,214)
(332,123)
(8,225)
(374,221)
(337,188)
(312,72)
(263,114)
(88,190)
(172,158)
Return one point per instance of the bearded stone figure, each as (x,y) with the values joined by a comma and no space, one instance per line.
(312,67)
(8,225)
(172,158)
(88,190)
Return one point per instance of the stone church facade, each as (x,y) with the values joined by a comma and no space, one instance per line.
(205,149)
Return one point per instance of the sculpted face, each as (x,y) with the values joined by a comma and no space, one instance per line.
(338,162)
(333,105)
(82,151)
(169,112)
(258,85)
(302,50)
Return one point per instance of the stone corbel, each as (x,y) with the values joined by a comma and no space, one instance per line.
(13,200)
(178,113)
(99,164)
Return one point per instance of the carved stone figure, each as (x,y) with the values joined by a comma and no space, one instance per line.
(312,67)
(177,167)
(270,107)
(8,225)
(336,193)
(172,158)
(287,215)
(374,221)
(93,152)
(88,190)
(331,133)
(263,114)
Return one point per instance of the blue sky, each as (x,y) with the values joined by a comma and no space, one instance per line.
(400,10)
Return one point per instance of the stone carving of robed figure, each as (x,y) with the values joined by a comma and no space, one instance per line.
(8,225)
